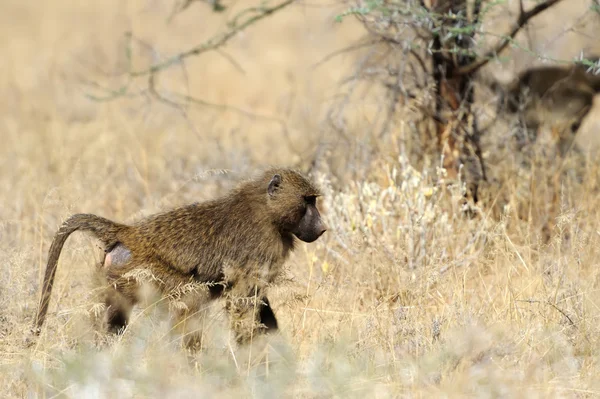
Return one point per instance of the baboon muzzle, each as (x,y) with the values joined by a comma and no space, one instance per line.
(311,226)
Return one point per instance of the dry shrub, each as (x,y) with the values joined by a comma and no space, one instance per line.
(405,295)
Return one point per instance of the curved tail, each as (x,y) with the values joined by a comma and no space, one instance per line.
(106,230)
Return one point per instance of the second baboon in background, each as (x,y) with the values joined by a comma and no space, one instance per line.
(234,246)
(554,96)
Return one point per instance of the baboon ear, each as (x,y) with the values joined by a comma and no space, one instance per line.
(274,184)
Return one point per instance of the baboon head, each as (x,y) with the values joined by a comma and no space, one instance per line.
(560,93)
(292,200)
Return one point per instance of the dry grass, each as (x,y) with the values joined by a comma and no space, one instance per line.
(403,296)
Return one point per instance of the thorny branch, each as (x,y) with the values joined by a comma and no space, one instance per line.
(522,20)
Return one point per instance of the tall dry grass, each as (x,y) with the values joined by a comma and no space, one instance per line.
(404,296)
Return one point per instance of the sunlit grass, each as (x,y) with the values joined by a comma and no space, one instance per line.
(405,295)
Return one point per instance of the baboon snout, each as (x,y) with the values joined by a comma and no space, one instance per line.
(322,229)
(310,228)
(316,232)
(310,236)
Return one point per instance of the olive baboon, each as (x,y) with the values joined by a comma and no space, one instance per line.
(555,96)
(559,98)
(236,244)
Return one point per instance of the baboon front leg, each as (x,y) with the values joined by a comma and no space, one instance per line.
(266,315)
(250,317)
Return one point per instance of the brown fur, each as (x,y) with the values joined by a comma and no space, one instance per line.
(234,244)
(559,97)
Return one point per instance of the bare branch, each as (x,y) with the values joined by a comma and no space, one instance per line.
(522,20)
(344,50)
(219,40)
(237,24)
(231,108)
(521,7)
(231,60)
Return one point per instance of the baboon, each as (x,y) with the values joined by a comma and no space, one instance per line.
(555,96)
(558,97)
(234,246)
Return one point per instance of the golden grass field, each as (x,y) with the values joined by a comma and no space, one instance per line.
(404,296)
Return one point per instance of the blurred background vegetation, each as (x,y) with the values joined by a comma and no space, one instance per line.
(419,287)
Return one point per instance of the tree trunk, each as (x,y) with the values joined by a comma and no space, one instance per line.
(458,137)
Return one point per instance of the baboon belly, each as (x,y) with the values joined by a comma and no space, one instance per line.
(126,273)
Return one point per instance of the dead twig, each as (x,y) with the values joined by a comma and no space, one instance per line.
(522,20)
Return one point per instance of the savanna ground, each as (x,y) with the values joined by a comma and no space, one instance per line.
(405,295)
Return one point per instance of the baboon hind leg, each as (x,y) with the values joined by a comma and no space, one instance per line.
(118,310)
(118,306)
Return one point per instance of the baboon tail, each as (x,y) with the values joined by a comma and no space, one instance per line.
(105,230)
